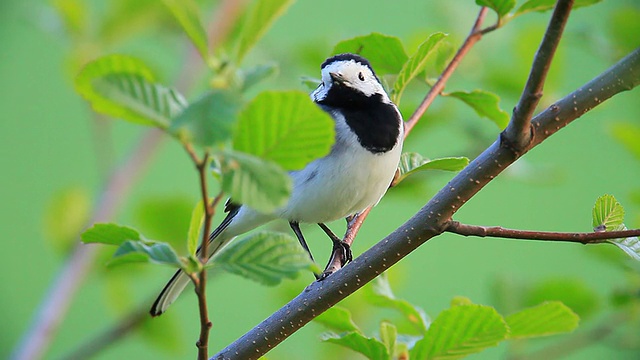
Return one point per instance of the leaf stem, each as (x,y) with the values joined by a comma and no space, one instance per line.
(500,232)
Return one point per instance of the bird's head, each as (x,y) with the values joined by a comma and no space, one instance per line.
(345,78)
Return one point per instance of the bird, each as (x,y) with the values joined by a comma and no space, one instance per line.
(353,176)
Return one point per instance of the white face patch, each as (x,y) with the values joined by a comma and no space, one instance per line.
(352,74)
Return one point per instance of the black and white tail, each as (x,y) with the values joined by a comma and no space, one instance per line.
(218,239)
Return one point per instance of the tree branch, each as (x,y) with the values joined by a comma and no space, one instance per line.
(518,133)
(500,232)
(431,220)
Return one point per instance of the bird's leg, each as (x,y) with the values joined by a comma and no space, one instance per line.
(338,246)
(295,226)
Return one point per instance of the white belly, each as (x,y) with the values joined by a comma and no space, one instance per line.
(347,181)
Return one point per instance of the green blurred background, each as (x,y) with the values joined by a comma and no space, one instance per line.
(52,146)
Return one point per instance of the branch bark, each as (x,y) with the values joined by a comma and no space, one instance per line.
(432,219)
(500,232)
(518,133)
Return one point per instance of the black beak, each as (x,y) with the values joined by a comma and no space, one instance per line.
(336,77)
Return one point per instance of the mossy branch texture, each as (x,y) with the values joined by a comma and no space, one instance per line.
(433,218)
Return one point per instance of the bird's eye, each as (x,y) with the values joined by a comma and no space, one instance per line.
(360,76)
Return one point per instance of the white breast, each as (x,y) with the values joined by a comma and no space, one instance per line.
(347,181)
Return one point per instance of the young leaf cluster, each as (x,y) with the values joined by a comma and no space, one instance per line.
(463,329)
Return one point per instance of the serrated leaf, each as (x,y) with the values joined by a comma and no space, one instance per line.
(110,234)
(265,257)
(65,217)
(460,331)
(337,319)
(485,104)
(209,120)
(146,251)
(545,5)
(187,14)
(257,74)
(411,163)
(630,245)
(195,224)
(124,87)
(260,184)
(285,127)
(501,7)
(608,214)
(415,64)
(546,319)
(381,295)
(372,348)
(388,336)
(386,53)
(259,19)
(628,134)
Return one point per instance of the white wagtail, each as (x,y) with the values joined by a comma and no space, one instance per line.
(352,177)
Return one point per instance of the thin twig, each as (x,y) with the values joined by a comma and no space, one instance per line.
(430,221)
(474,36)
(500,232)
(56,302)
(518,133)
(35,342)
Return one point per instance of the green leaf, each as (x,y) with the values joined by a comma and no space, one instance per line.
(110,234)
(209,120)
(460,331)
(545,5)
(187,14)
(259,19)
(630,245)
(388,336)
(146,251)
(337,319)
(415,64)
(381,295)
(608,214)
(501,7)
(548,318)
(257,183)
(285,127)
(123,87)
(66,216)
(411,163)
(265,257)
(193,235)
(257,74)
(486,104)
(370,347)
(628,134)
(386,53)
(577,295)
